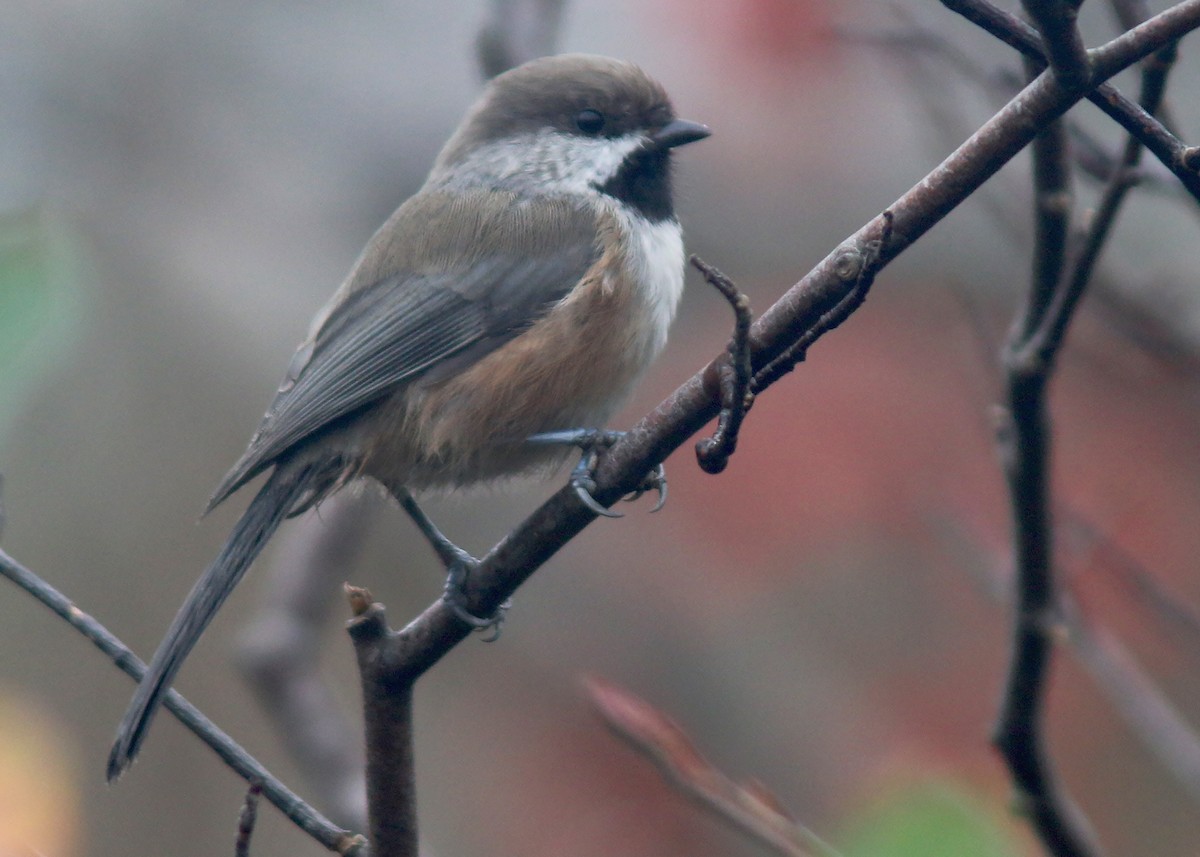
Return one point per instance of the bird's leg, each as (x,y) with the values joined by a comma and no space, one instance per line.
(583,481)
(458,563)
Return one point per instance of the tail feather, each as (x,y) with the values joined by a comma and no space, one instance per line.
(260,520)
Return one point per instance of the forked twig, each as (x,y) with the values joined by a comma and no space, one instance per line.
(712,453)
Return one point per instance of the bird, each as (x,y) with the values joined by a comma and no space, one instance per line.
(501,314)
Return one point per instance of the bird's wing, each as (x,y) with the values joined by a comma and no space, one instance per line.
(457,301)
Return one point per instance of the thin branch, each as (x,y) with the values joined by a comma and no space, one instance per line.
(851,267)
(387,715)
(1130,13)
(748,807)
(1024,439)
(713,453)
(1087,150)
(302,815)
(1056,19)
(1157,139)
(1052,201)
(1052,328)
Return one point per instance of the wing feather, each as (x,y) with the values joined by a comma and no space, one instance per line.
(397,329)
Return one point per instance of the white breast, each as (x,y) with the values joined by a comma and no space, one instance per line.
(656,262)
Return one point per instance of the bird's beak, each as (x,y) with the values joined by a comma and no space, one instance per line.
(679,132)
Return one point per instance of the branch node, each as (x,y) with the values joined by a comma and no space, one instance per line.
(369,624)
(855,265)
(360,598)
(848,265)
(354,845)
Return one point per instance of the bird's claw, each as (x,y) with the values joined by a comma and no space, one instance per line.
(455,598)
(656,480)
(583,482)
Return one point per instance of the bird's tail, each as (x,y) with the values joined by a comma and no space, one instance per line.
(282,492)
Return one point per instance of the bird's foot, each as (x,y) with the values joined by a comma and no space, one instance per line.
(583,477)
(455,597)
(459,565)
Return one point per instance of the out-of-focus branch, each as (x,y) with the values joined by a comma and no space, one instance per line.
(1151,717)
(517,31)
(1134,695)
(748,807)
(302,815)
(1109,558)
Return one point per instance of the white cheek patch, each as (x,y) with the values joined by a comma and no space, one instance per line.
(600,158)
(548,161)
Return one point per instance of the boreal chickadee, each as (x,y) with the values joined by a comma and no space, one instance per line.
(521,291)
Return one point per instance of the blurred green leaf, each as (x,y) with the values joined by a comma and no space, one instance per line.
(39,303)
(927,819)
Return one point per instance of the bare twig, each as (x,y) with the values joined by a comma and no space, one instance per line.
(1061,39)
(1153,134)
(1052,201)
(302,815)
(747,807)
(1087,150)
(246,820)
(387,713)
(1052,326)
(712,454)
(1024,440)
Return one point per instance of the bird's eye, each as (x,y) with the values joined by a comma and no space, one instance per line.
(589,121)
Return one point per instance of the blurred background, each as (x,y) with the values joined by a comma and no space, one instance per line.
(181,187)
